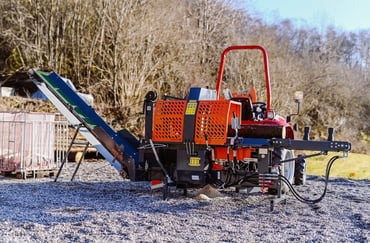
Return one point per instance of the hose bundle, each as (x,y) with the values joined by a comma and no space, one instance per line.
(306,200)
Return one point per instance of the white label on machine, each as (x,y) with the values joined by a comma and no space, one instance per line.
(248,160)
(262,151)
(195,177)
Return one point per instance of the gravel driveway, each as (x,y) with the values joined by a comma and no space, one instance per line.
(99,207)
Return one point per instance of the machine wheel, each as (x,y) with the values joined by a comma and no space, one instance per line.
(285,169)
(300,171)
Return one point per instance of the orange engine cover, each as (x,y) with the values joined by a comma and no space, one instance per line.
(213,117)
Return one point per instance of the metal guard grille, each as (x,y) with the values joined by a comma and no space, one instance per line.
(213,118)
(169,121)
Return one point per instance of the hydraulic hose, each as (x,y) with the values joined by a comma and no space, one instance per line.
(312,201)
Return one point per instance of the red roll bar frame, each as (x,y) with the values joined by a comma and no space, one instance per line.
(265,60)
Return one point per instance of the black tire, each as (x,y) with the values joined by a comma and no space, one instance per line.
(286,169)
(300,171)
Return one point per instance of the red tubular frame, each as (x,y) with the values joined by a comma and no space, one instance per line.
(265,60)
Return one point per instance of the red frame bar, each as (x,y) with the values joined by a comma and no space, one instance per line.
(265,60)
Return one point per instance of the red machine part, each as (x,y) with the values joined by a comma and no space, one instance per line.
(265,60)
(241,154)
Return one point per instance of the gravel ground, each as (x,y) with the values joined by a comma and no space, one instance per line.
(99,207)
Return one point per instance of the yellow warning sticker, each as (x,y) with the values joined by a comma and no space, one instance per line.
(194,161)
(191,108)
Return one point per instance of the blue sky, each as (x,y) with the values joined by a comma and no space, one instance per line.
(346,15)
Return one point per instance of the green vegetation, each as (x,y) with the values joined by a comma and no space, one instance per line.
(356,166)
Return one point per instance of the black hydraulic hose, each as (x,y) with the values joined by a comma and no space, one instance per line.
(245,178)
(168,178)
(312,201)
(228,177)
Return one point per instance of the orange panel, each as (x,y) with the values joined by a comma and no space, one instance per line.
(212,120)
(241,154)
(168,121)
(221,153)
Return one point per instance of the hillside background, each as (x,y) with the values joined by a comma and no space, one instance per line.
(118,50)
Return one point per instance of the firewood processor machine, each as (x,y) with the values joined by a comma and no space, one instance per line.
(232,140)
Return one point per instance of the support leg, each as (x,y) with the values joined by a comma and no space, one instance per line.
(67,154)
(279,197)
(79,162)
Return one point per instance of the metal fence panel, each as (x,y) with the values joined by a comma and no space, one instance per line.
(31,142)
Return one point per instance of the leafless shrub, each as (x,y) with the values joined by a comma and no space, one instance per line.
(120,49)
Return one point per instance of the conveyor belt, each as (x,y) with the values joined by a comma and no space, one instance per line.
(77,111)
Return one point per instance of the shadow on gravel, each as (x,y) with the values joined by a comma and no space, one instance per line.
(360,222)
(48,202)
(61,202)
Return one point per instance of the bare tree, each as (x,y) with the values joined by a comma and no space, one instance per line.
(120,49)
